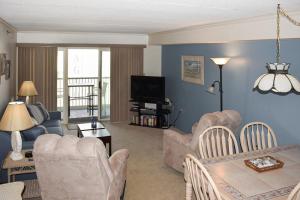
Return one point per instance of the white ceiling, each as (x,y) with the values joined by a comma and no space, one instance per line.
(130,16)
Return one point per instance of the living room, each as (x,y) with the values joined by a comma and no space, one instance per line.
(225,78)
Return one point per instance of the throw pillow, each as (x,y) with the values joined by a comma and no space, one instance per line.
(36,113)
(34,121)
(44,110)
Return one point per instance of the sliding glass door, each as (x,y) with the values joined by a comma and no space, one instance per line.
(83,83)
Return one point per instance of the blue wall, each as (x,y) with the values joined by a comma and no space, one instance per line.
(248,61)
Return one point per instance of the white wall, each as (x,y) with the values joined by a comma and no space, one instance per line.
(246,29)
(152,60)
(8,46)
(152,54)
(81,38)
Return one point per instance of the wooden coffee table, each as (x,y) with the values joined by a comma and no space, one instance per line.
(85,130)
(15,167)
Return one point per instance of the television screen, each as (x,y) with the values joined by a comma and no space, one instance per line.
(147,88)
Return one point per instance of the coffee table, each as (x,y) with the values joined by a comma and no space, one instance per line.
(15,167)
(87,126)
(85,130)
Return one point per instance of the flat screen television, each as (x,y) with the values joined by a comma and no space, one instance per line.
(147,88)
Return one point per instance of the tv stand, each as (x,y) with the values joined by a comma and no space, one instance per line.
(149,117)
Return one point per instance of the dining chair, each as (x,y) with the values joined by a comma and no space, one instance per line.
(217,141)
(295,194)
(257,136)
(199,181)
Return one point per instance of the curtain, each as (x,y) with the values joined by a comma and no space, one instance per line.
(125,61)
(39,64)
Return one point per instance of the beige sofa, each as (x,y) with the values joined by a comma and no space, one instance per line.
(72,168)
(177,144)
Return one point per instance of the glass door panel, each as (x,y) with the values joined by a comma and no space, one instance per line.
(105,85)
(83,65)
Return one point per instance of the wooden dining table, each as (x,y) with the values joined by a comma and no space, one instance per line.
(236,181)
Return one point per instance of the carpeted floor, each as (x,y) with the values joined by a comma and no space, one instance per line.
(147,175)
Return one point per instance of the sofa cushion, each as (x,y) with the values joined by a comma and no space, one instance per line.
(33,133)
(37,113)
(51,123)
(55,130)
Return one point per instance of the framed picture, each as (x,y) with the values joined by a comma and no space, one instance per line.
(7,69)
(2,63)
(192,69)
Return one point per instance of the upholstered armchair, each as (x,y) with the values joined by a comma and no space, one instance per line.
(71,168)
(177,144)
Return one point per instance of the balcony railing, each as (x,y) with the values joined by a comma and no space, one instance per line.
(80,90)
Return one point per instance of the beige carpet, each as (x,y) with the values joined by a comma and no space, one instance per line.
(147,176)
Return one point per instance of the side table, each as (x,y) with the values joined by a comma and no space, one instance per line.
(15,167)
(12,191)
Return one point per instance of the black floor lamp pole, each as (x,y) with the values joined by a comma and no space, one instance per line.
(221,88)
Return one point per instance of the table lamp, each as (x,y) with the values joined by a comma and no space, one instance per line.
(27,89)
(15,119)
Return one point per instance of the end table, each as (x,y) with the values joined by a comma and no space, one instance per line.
(15,167)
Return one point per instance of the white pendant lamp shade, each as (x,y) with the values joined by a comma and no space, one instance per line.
(277,79)
(220,61)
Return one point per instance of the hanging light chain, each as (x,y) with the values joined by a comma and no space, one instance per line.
(278,34)
(282,12)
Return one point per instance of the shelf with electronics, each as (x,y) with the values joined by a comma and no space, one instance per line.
(149,107)
(154,114)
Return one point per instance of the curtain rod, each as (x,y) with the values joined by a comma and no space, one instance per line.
(77,45)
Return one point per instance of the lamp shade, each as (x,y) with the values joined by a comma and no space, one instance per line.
(16,117)
(27,89)
(220,61)
(277,79)
(211,89)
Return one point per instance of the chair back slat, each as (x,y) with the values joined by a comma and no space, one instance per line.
(230,147)
(208,147)
(219,146)
(224,145)
(263,139)
(248,140)
(254,147)
(217,141)
(200,180)
(256,136)
(295,194)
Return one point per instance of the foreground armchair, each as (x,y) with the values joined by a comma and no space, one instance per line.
(176,144)
(72,168)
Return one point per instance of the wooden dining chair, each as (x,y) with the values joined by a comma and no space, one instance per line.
(217,141)
(295,194)
(256,136)
(199,181)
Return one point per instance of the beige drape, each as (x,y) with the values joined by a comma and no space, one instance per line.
(39,64)
(125,61)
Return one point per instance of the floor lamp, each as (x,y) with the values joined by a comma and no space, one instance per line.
(220,62)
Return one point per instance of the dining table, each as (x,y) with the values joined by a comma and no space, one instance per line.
(236,181)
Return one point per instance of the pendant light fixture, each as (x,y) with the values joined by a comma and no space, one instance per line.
(278,79)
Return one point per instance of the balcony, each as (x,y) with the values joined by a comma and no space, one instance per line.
(84,97)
